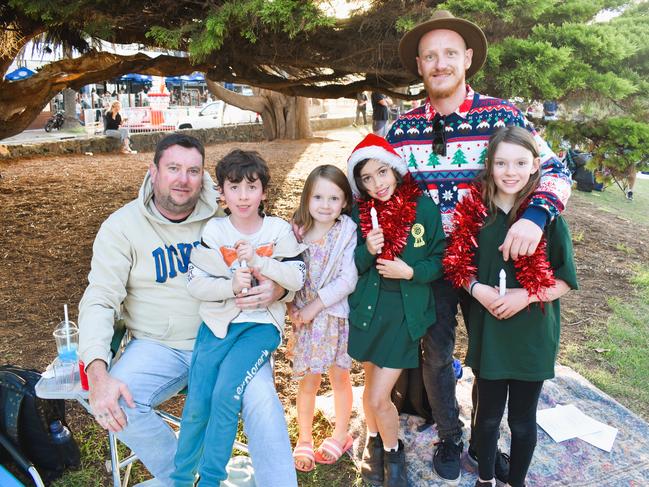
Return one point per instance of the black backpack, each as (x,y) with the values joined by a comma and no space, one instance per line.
(409,395)
(25,420)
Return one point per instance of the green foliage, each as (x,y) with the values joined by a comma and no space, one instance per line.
(237,19)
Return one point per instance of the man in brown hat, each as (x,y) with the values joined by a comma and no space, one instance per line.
(443,52)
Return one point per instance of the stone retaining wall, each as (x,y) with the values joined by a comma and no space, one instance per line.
(147,141)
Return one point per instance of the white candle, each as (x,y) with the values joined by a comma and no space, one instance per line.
(244,265)
(375,220)
(502,282)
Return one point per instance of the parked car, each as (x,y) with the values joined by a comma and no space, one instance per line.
(217,114)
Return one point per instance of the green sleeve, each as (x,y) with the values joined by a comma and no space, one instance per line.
(430,268)
(561,252)
(362,257)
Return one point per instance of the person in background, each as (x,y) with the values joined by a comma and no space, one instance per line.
(361,107)
(113,127)
(380,113)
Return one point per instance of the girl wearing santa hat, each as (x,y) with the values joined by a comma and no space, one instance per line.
(398,254)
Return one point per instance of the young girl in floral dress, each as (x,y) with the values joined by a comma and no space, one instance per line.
(320,310)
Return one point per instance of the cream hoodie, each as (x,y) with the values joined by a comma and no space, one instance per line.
(138,272)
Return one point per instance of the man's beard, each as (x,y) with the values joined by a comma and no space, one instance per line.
(436,93)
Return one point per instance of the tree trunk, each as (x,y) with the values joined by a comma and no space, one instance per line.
(70,109)
(283,117)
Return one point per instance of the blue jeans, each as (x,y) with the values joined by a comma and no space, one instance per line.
(155,373)
(437,364)
(220,372)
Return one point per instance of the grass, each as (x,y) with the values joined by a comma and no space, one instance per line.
(623,363)
(612,200)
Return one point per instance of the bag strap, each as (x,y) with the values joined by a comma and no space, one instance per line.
(14,388)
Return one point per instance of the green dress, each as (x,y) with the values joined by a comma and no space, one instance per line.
(523,347)
(388,316)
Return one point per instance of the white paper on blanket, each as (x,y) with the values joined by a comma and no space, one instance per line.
(566,422)
(603,439)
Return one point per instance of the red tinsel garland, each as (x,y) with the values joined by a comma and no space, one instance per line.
(395,216)
(533,272)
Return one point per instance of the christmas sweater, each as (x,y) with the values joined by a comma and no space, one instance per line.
(446,179)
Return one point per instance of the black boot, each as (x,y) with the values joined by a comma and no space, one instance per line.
(372,464)
(394,465)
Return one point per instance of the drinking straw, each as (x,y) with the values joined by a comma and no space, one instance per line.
(67,326)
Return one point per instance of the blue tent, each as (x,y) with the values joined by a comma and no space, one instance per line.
(19,74)
(136,78)
(195,77)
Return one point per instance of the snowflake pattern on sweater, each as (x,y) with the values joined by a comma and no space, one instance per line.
(447,178)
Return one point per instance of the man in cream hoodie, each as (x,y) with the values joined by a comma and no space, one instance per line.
(138,272)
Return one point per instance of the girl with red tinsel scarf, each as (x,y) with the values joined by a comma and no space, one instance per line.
(398,254)
(514,326)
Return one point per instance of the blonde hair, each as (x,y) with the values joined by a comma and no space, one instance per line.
(517,136)
(113,103)
(302,218)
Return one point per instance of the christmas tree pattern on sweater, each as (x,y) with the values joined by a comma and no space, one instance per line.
(467,132)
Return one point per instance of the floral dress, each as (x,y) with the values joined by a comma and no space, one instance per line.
(323,342)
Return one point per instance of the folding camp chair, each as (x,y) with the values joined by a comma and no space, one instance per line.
(115,465)
(8,480)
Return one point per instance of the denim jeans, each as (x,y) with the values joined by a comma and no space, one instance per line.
(220,372)
(155,373)
(438,345)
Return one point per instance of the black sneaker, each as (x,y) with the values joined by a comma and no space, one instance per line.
(501,466)
(629,195)
(446,461)
(479,483)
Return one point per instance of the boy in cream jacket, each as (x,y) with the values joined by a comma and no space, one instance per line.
(232,345)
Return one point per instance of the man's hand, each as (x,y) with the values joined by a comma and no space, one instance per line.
(374,241)
(260,296)
(511,303)
(104,395)
(394,269)
(522,239)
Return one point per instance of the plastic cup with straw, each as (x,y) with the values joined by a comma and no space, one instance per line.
(67,338)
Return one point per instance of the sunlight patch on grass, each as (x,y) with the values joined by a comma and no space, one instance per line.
(614,201)
(624,340)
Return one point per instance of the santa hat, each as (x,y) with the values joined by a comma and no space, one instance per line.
(374,147)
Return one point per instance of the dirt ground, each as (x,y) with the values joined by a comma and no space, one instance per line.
(51,208)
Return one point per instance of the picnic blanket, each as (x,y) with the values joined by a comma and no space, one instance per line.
(571,463)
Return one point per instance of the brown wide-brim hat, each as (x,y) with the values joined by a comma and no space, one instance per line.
(443,19)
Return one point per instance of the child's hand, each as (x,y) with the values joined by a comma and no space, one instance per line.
(309,312)
(245,251)
(374,241)
(394,269)
(485,295)
(242,279)
(293,314)
(511,303)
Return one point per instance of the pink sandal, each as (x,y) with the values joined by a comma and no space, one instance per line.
(334,449)
(304,449)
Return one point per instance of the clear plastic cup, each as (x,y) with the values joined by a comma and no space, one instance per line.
(64,372)
(67,341)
